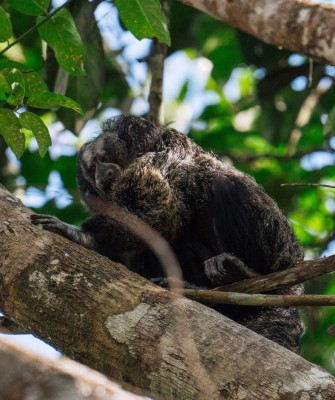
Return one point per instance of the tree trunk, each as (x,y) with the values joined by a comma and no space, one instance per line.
(35,377)
(301,26)
(97,312)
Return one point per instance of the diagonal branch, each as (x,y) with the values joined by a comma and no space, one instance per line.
(301,26)
(302,272)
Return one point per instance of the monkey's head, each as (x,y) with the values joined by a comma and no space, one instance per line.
(123,139)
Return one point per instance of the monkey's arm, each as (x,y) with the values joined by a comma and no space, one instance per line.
(141,190)
(71,232)
(101,233)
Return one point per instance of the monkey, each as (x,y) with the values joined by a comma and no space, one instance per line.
(220,223)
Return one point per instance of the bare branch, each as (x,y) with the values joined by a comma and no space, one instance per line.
(302,272)
(24,375)
(308,185)
(271,300)
(302,26)
(156,65)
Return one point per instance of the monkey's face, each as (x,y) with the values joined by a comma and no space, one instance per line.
(100,162)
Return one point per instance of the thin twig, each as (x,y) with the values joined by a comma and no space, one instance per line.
(308,184)
(263,300)
(303,271)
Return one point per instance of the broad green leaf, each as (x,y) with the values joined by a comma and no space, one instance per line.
(53,100)
(144,18)
(32,79)
(4,87)
(30,7)
(10,129)
(61,34)
(5,26)
(33,123)
(15,79)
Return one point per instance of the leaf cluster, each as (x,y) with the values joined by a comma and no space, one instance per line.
(21,88)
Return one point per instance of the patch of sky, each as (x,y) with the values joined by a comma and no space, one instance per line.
(34,344)
(179,70)
(260,73)
(36,198)
(317,160)
(299,84)
(330,205)
(330,249)
(330,70)
(232,89)
(296,59)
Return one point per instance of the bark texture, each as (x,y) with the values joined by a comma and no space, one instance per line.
(302,26)
(99,313)
(35,377)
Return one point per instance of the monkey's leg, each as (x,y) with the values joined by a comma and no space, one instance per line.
(71,232)
(281,324)
(227,268)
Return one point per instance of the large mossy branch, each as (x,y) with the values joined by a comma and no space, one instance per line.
(97,312)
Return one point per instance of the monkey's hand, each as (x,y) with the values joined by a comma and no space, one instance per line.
(70,232)
(226,268)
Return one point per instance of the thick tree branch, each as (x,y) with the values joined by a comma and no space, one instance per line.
(99,313)
(302,26)
(32,376)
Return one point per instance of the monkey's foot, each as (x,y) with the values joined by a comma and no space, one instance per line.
(226,268)
(55,225)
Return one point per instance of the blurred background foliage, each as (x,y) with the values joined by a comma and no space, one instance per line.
(268,111)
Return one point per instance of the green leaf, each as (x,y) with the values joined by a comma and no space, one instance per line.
(53,100)
(5,26)
(4,88)
(33,123)
(144,18)
(15,79)
(61,34)
(10,129)
(30,7)
(32,80)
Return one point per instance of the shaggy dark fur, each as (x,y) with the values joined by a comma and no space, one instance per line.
(222,226)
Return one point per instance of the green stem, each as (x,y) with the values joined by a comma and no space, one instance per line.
(32,29)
